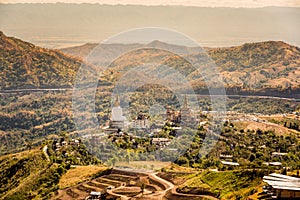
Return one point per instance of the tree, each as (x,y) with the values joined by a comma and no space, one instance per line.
(183,161)
(284,171)
(29,145)
(113,161)
(142,188)
(252,158)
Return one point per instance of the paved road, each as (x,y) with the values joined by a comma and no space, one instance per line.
(204,95)
(35,90)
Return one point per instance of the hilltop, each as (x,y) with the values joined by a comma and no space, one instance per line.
(271,65)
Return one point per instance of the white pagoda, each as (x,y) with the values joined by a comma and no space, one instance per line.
(117,118)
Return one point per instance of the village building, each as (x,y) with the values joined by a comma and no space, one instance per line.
(274,154)
(74,142)
(230,163)
(282,186)
(64,143)
(161,142)
(172,115)
(141,122)
(94,196)
(227,157)
(277,164)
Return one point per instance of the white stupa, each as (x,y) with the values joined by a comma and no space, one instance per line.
(117,118)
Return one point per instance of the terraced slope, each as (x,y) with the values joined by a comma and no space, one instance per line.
(127,185)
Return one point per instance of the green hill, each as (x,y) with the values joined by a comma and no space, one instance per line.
(28,175)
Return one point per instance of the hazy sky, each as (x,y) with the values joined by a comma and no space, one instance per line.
(201,3)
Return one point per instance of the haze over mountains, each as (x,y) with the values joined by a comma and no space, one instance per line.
(270,68)
(60,25)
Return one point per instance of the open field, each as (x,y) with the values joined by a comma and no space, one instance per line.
(147,165)
(278,130)
(79,174)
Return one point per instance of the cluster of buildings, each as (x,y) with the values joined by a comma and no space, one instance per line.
(161,142)
(58,145)
(119,121)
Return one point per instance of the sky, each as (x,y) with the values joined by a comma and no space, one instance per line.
(60,25)
(200,3)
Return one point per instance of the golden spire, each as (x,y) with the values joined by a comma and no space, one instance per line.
(117,101)
(185,103)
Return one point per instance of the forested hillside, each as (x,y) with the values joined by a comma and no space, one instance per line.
(24,65)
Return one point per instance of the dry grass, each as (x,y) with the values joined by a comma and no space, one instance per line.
(256,195)
(279,117)
(78,175)
(150,165)
(278,129)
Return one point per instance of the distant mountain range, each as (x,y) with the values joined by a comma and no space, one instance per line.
(265,68)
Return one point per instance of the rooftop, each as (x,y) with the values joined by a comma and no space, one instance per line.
(95,193)
(230,163)
(282,182)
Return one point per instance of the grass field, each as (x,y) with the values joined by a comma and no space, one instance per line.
(147,165)
(232,184)
(79,174)
(278,129)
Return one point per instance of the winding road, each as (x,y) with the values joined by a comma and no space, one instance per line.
(204,95)
(168,187)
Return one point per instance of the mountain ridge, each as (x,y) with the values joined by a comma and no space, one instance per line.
(270,67)
(264,68)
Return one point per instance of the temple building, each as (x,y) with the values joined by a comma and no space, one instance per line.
(186,114)
(117,118)
(141,121)
(172,115)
